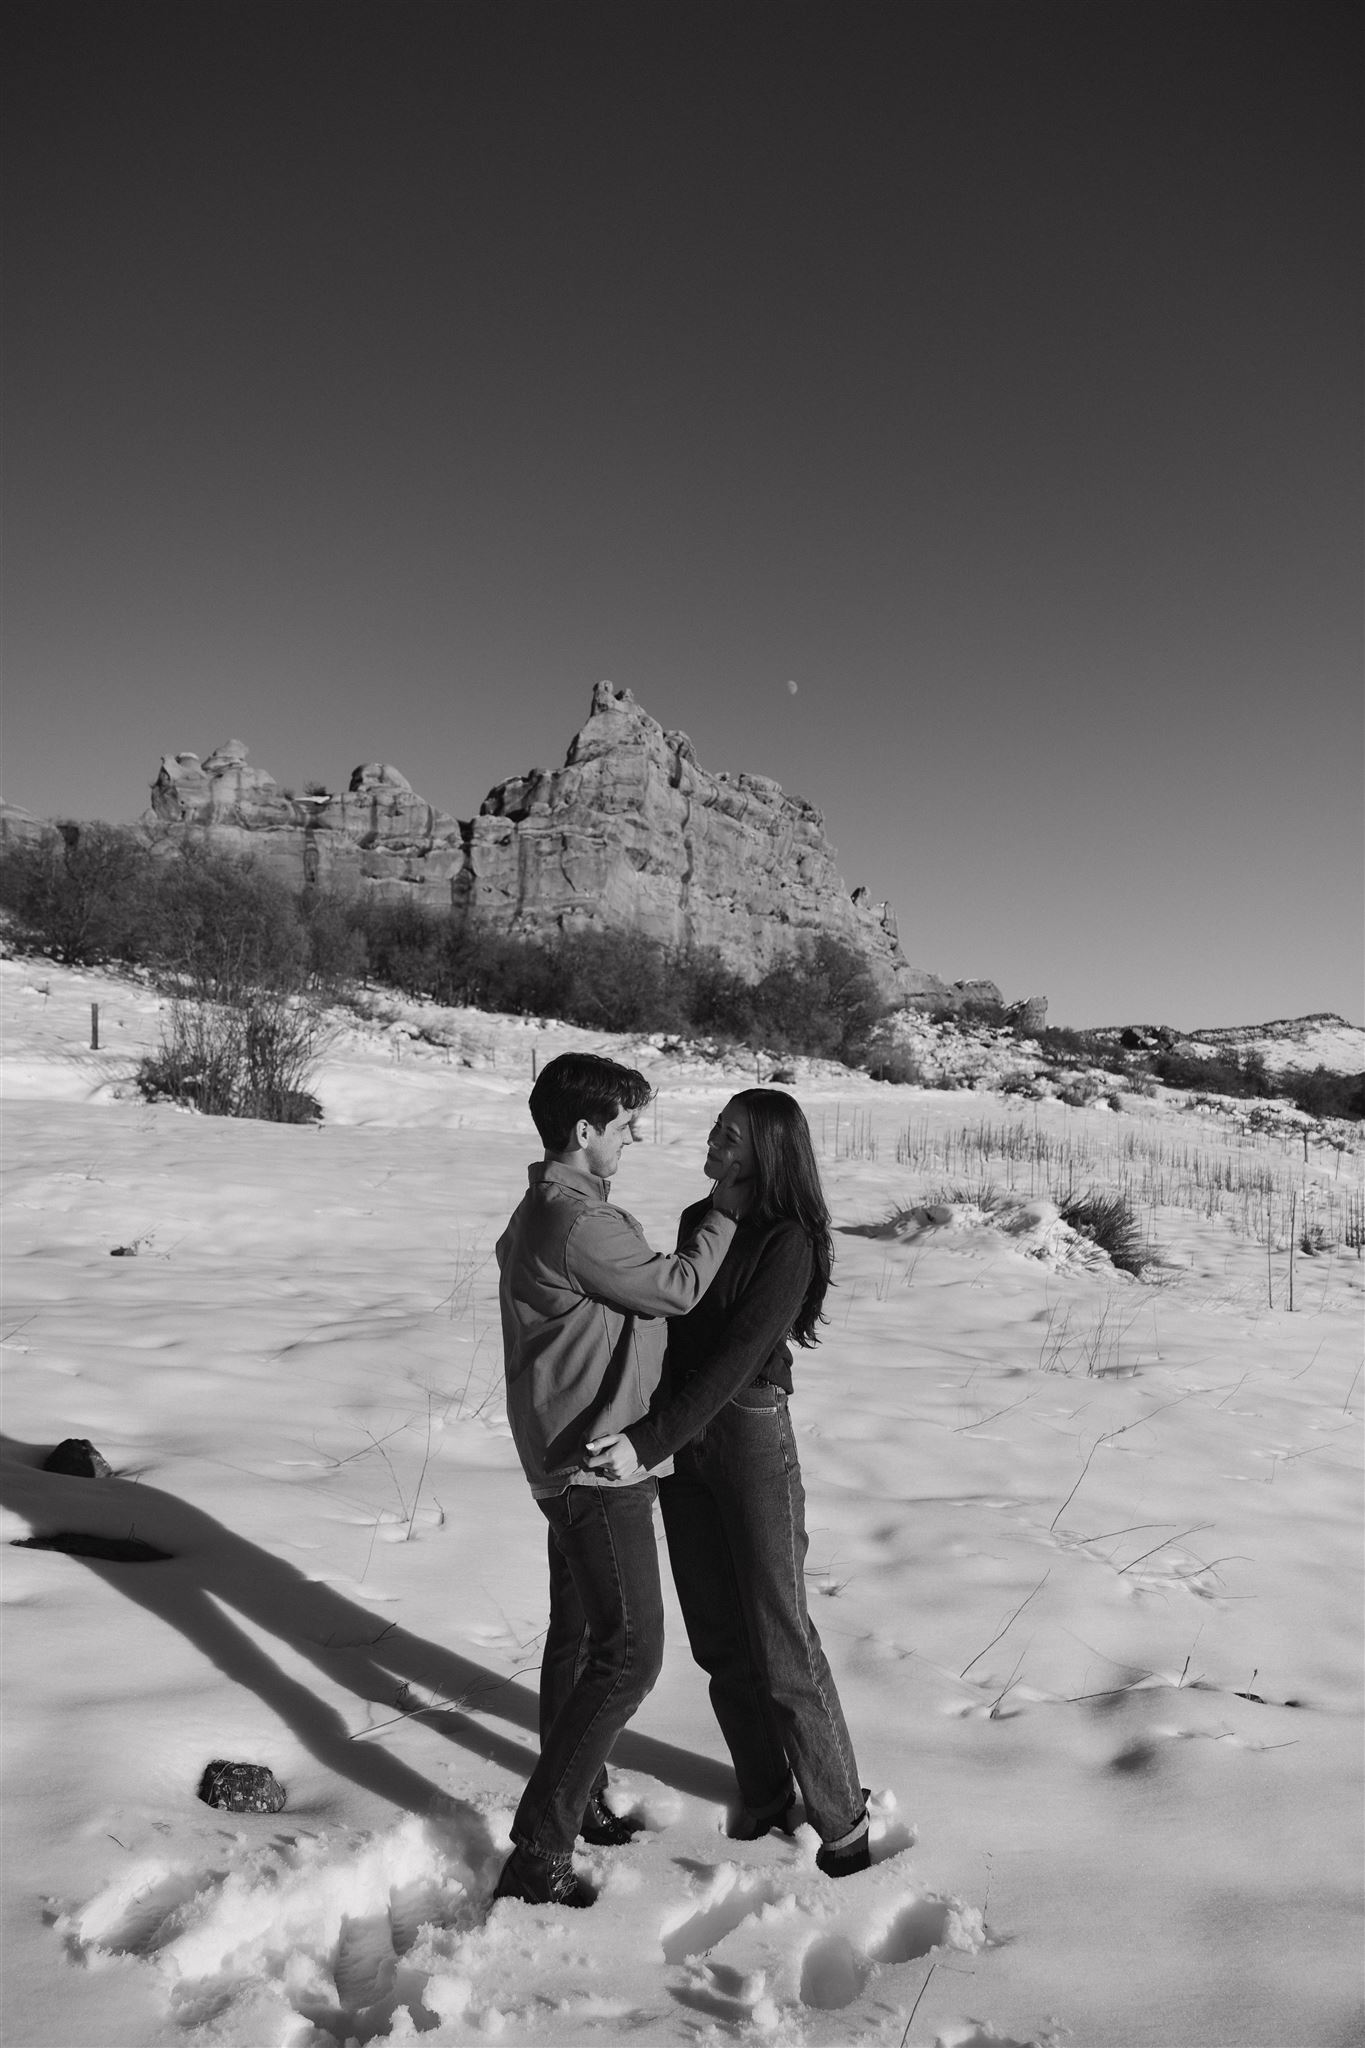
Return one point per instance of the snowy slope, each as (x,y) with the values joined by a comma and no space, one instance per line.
(1305,1042)
(1084,1552)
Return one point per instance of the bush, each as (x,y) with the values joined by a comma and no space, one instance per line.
(716,999)
(510,974)
(222,925)
(1109,1223)
(84,899)
(405,943)
(617,981)
(899,1066)
(337,955)
(105,893)
(1068,1048)
(984,1196)
(248,1058)
(821,1001)
(1219,1074)
(1078,1091)
(981,1010)
(1019,1081)
(1324,1093)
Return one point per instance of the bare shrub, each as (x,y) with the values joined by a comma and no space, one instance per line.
(898,1066)
(337,954)
(222,925)
(247,1058)
(82,898)
(1020,1081)
(1078,1091)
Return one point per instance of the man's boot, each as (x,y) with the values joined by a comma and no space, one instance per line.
(541,1880)
(603,1829)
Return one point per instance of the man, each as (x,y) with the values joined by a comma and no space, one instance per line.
(582,1297)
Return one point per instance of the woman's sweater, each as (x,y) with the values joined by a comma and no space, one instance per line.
(735,1335)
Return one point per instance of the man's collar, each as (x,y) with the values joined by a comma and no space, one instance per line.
(569,1177)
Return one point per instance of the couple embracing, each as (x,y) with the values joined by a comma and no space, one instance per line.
(634,1375)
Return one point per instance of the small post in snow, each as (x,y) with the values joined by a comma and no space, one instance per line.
(94,1027)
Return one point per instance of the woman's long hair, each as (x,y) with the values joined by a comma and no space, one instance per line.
(787,1187)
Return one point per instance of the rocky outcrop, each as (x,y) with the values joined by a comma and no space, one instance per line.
(19,827)
(378,834)
(632,833)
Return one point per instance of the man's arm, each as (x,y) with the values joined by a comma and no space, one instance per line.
(763,1316)
(607,1258)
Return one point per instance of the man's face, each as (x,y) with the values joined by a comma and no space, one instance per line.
(602,1149)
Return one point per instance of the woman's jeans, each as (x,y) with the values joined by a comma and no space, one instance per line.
(735,1517)
(602,1651)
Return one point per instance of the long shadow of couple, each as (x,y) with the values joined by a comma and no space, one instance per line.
(209,1569)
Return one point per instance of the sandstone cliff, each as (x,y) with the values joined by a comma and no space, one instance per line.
(631,833)
(19,827)
(376,835)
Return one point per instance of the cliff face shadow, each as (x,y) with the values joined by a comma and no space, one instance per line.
(210,1569)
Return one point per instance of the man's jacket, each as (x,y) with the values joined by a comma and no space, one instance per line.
(581,1295)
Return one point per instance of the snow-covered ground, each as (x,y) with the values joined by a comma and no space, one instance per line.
(954,1054)
(1304,1042)
(1085,1552)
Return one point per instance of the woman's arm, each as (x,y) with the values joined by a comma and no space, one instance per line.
(762,1317)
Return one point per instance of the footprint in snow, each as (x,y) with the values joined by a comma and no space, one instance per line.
(140,1915)
(733,1897)
(797,1940)
(919,1926)
(834,1971)
(278,1926)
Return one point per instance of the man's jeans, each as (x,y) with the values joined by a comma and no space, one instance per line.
(735,1517)
(602,1651)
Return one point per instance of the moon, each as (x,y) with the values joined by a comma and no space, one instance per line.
(792,688)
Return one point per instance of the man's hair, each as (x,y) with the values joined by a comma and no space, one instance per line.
(579,1085)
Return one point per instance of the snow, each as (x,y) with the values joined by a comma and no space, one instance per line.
(1085,1553)
(1303,1042)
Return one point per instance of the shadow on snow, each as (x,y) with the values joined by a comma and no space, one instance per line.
(210,1569)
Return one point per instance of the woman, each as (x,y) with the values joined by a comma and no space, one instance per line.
(734,1509)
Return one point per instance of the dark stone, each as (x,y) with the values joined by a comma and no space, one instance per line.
(1138,1757)
(241,1788)
(113,1549)
(77,1457)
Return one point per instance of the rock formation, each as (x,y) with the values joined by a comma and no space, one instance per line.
(378,835)
(19,827)
(632,833)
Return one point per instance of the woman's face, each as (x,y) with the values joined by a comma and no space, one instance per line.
(730,1144)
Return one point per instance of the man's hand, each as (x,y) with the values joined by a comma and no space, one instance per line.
(613,1456)
(730,1193)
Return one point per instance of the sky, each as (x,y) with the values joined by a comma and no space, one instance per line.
(378,377)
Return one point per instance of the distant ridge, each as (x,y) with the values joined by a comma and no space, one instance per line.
(1319,1039)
